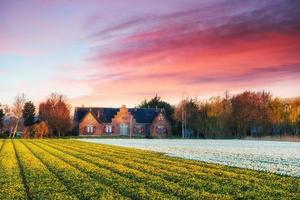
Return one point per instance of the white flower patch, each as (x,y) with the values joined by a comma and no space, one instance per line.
(272,156)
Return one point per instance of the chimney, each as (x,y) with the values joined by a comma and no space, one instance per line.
(98,114)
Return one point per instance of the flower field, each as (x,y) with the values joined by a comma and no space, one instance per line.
(271,156)
(69,169)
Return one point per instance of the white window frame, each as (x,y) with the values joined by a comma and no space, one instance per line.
(108,128)
(160,129)
(90,129)
(124,129)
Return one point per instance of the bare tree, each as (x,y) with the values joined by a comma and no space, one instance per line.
(17,111)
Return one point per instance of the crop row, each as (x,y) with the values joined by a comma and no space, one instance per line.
(79,183)
(185,163)
(209,181)
(194,168)
(139,174)
(198,180)
(182,186)
(152,161)
(41,182)
(69,169)
(1,143)
(133,185)
(11,185)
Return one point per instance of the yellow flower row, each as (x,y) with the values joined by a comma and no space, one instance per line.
(173,174)
(157,162)
(185,164)
(124,185)
(41,182)
(11,186)
(187,173)
(1,142)
(139,173)
(79,183)
(69,169)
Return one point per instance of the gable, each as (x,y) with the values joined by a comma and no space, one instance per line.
(161,118)
(105,115)
(89,118)
(123,116)
(144,115)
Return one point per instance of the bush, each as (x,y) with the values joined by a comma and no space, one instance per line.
(4,134)
(38,130)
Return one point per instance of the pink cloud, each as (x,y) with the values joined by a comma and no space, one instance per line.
(254,44)
(167,47)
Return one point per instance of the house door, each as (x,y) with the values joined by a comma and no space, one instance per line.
(123,129)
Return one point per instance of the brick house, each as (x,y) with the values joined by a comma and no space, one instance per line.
(121,121)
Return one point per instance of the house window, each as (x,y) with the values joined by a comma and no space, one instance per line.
(123,129)
(138,129)
(160,118)
(161,129)
(90,129)
(108,129)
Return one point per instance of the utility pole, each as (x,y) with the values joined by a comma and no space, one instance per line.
(185,122)
(182,124)
(130,126)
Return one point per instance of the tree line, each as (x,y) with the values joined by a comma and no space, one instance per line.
(51,119)
(255,114)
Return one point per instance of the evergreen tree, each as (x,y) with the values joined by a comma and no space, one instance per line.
(2,115)
(28,113)
(156,102)
(168,109)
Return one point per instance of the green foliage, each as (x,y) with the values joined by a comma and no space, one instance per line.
(253,114)
(28,113)
(4,134)
(2,115)
(157,102)
(68,169)
(168,109)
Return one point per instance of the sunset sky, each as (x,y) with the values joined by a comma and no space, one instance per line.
(109,53)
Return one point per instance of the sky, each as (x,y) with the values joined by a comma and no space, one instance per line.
(110,53)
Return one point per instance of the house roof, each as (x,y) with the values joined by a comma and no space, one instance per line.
(105,115)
